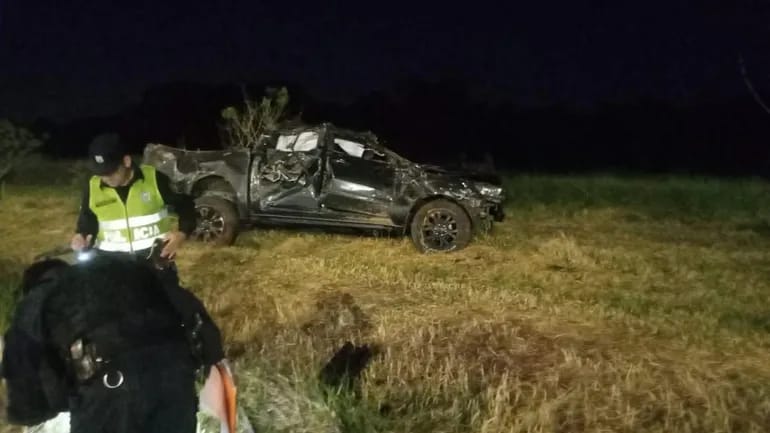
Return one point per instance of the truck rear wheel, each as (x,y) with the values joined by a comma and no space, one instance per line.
(217,220)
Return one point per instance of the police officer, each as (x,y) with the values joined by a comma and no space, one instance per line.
(103,341)
(125,210)
(125,205)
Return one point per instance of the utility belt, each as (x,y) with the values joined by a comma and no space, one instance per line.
(137,255)
(108,351)
(149,257)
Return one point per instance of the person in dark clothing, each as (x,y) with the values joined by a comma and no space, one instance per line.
(124,205)
(105,341)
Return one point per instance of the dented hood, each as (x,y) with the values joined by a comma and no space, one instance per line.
(461,174)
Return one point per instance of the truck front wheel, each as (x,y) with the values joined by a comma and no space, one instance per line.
(440,226)
(217,220)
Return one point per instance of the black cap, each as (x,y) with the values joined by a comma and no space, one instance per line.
(105,154)
(39,272)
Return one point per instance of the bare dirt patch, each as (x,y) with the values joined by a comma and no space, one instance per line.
(336,315)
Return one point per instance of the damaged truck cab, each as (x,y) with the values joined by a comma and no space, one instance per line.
(325,176)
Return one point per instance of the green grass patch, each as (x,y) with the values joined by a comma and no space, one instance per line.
(652,196)
(603,303)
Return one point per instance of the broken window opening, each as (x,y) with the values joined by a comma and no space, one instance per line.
(358,150)
(350,147)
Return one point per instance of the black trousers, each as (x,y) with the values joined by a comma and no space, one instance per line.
(157,395)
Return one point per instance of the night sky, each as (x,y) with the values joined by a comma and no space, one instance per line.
(69,59)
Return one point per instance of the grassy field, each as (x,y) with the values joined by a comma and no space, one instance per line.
(601,304)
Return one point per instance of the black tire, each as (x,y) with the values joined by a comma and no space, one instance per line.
(454,227)
(217,220)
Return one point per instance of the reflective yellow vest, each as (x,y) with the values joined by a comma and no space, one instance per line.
(134,225)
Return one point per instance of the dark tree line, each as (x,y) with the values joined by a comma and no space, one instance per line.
(441,122)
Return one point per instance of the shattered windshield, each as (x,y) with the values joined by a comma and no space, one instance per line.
(303,142)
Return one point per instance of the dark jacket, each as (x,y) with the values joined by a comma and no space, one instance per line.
(35,376)
(182,204)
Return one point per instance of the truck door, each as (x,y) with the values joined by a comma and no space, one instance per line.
(360,181)
(286,179)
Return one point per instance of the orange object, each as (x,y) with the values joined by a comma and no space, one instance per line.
(229,394)
(218,396)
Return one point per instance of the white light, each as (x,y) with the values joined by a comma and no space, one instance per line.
(490,190)
(85,256)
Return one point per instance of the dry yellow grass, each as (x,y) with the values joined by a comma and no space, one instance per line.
(595,320)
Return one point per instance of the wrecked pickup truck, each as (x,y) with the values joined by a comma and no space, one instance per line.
(326,176)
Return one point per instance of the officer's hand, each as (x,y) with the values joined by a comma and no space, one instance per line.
(173,241)
(79,242)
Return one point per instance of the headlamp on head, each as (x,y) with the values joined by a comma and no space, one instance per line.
(84,256)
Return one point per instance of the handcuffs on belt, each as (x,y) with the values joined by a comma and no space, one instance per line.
(86,363)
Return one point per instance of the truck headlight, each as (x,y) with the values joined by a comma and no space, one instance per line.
(489,190)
